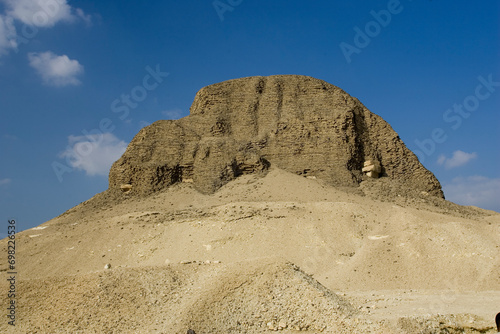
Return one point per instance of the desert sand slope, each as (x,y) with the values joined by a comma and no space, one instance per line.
(242,260)
(212,298)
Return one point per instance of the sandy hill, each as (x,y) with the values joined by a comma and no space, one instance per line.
(263,246)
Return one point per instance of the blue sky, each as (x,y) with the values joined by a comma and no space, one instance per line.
(78,79)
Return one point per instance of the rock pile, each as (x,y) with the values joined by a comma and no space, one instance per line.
(372,169)
(297,123)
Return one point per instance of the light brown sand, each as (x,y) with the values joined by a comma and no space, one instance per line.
(229,263)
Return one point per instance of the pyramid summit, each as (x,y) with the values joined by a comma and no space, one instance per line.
(297,123)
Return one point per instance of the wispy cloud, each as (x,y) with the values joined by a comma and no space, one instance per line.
(56,70)
(143,124)
(5,181)
(94,154)
(475,190)
(459,158)
(84,17)
(172,113)
(9,136)
(7,35)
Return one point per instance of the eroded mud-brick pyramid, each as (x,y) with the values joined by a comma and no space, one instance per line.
(297,123)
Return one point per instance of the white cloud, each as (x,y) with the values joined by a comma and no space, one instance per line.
(56,70)
(172,113)
(459,158)
(40,13)
(35,13)
(474,190)
(84,17)
(8,35)
(5,181)
(94,154)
